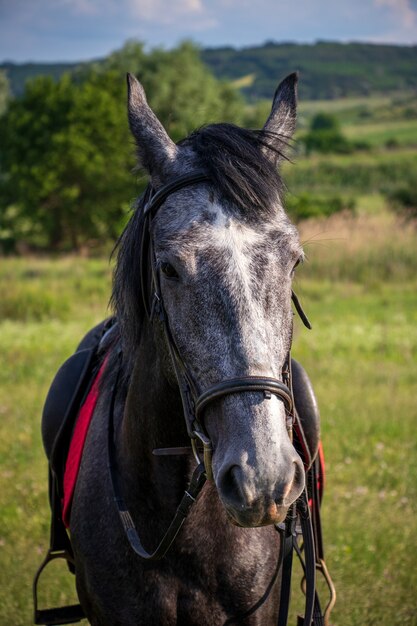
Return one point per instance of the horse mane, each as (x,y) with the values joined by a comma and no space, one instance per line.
(239,163)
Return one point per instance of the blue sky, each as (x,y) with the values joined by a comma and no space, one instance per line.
(70,30)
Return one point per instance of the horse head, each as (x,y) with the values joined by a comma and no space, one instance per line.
(224,254)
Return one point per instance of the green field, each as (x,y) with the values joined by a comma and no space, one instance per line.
(359,288)
(402,132)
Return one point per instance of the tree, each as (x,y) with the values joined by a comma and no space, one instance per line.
(180,87)
(66,152)
(66,157)
(4,91)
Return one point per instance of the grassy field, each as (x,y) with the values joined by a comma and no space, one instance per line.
(402,132)
(359,288)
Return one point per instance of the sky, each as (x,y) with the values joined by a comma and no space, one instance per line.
(74,30)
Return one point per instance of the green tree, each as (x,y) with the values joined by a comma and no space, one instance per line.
(66,159)
(4,91)
(184,93)
(66,152)
(179,86)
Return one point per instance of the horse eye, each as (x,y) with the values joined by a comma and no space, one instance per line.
(296,264)
(168,270)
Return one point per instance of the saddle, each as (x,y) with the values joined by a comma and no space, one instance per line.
(64,399)
(66,395)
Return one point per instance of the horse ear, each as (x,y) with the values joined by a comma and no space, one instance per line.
(156,151)
(282,119)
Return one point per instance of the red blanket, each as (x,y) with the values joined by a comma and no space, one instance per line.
(76,448)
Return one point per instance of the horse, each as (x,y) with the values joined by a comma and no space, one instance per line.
(202,294)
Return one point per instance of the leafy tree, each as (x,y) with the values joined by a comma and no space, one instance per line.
(183,92)
(4,91)
(66,157)
(179,86)
(66,153)
(403,199)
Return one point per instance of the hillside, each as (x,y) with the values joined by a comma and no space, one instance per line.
(329,70)
(19,73)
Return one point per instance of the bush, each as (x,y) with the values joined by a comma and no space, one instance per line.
(403,200)
(305,205)
(326,136)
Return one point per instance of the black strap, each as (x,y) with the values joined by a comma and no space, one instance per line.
(310,557)
(287,533)
(312,608)
(157,198)
(245,383)
(190,495)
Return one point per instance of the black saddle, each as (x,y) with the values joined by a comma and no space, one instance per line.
(65,397)
(66,394)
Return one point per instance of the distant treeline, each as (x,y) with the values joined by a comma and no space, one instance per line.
(329,69)
(67,157)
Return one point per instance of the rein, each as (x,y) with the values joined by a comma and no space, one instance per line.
(194,404)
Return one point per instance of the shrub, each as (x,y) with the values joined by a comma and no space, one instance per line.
(326,136)
(305,205)
(403,200)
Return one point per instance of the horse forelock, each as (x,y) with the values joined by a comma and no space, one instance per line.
(241,163)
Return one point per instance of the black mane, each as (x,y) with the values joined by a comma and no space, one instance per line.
(238,163)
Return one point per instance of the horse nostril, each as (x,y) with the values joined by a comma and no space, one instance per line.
(296,485)
(230,486)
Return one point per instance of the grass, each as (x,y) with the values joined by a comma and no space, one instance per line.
(359,289)
(402,132)
(352,174)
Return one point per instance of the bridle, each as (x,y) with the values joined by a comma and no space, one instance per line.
(196,401)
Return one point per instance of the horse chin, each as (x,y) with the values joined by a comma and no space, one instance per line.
(253,519)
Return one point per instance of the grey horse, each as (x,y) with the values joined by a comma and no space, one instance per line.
(225,253)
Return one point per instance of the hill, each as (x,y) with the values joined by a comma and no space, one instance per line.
(19,73)
(329,70)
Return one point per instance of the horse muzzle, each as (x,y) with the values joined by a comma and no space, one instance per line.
(252,501)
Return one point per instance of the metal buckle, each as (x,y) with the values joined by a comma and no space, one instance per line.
(322,568)
(207,452)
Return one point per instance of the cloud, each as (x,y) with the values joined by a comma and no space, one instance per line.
(75,29)
(404,10)
(189,12)
(402,21)
(81,7)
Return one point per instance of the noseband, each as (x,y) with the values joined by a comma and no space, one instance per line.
(195,401)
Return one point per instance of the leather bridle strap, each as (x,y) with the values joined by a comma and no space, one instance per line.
(245,383)
(264,384)
(312,615)
(190,495)
(161,195)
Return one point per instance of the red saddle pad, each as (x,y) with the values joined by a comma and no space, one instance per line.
(75,452)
